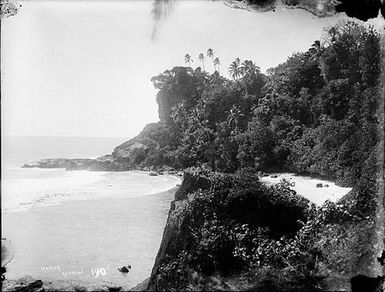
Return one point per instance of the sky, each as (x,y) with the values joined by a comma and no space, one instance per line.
(83,68)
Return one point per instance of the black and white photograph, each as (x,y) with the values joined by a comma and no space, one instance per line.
(192,145)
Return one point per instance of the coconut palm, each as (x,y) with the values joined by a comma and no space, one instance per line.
(235,70)
(217,63)
(188,59)
(249,68)
(202,59)
(210,54)
(249,73)
(233,118)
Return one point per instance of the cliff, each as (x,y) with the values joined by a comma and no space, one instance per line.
(136,151)
(209,216)
(172,235)
(229,232)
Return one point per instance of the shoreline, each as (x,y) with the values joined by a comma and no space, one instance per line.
(65,284)
(306,186)
(62,186)
(337,181)
(120,213)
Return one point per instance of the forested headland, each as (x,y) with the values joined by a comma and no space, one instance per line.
(315,114)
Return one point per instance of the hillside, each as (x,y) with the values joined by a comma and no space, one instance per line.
(316,114)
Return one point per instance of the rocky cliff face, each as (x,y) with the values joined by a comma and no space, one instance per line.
(134,151)
(334,252)
(172,235)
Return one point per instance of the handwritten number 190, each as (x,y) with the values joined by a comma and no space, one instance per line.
(96,272)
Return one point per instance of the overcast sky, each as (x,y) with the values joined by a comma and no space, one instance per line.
(79,68)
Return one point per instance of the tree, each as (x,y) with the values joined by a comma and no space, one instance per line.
(315,49)
(249,68)
(235,70)
(210,54)
(233,118)
(217,63)
(202,59)
(188,60)
(252,79)
(291,119)
(176,86)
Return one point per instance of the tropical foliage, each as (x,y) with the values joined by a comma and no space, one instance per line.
(314,114)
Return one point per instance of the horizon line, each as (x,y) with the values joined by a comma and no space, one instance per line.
(65,136)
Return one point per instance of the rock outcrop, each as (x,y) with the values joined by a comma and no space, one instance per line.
(99,164)
(136,151)
(59,163)
(142,152)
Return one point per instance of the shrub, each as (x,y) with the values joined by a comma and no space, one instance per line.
(232,223)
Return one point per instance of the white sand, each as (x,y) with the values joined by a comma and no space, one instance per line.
(47,187)
(68,241)
(306,187)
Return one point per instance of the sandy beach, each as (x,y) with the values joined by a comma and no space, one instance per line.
(87,241)
(307,187)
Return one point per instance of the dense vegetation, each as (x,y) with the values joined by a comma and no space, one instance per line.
(236,233)
(314,114)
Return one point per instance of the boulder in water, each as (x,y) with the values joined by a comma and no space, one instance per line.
(114,289)
(274,176)
(326,185)
(319,185)
(124,270)
(153,174)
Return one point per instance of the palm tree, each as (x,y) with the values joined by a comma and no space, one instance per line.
(235,70)
(202,59)
(249,68)
(188,59)
(217,63)
(249,72)
(210,54)
(233,118)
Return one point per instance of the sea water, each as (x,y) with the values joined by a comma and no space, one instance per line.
(80,225)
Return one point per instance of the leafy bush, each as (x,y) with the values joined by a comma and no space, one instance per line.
(313,114)
(233,222)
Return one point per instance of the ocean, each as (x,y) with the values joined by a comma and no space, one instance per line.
(80,225)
